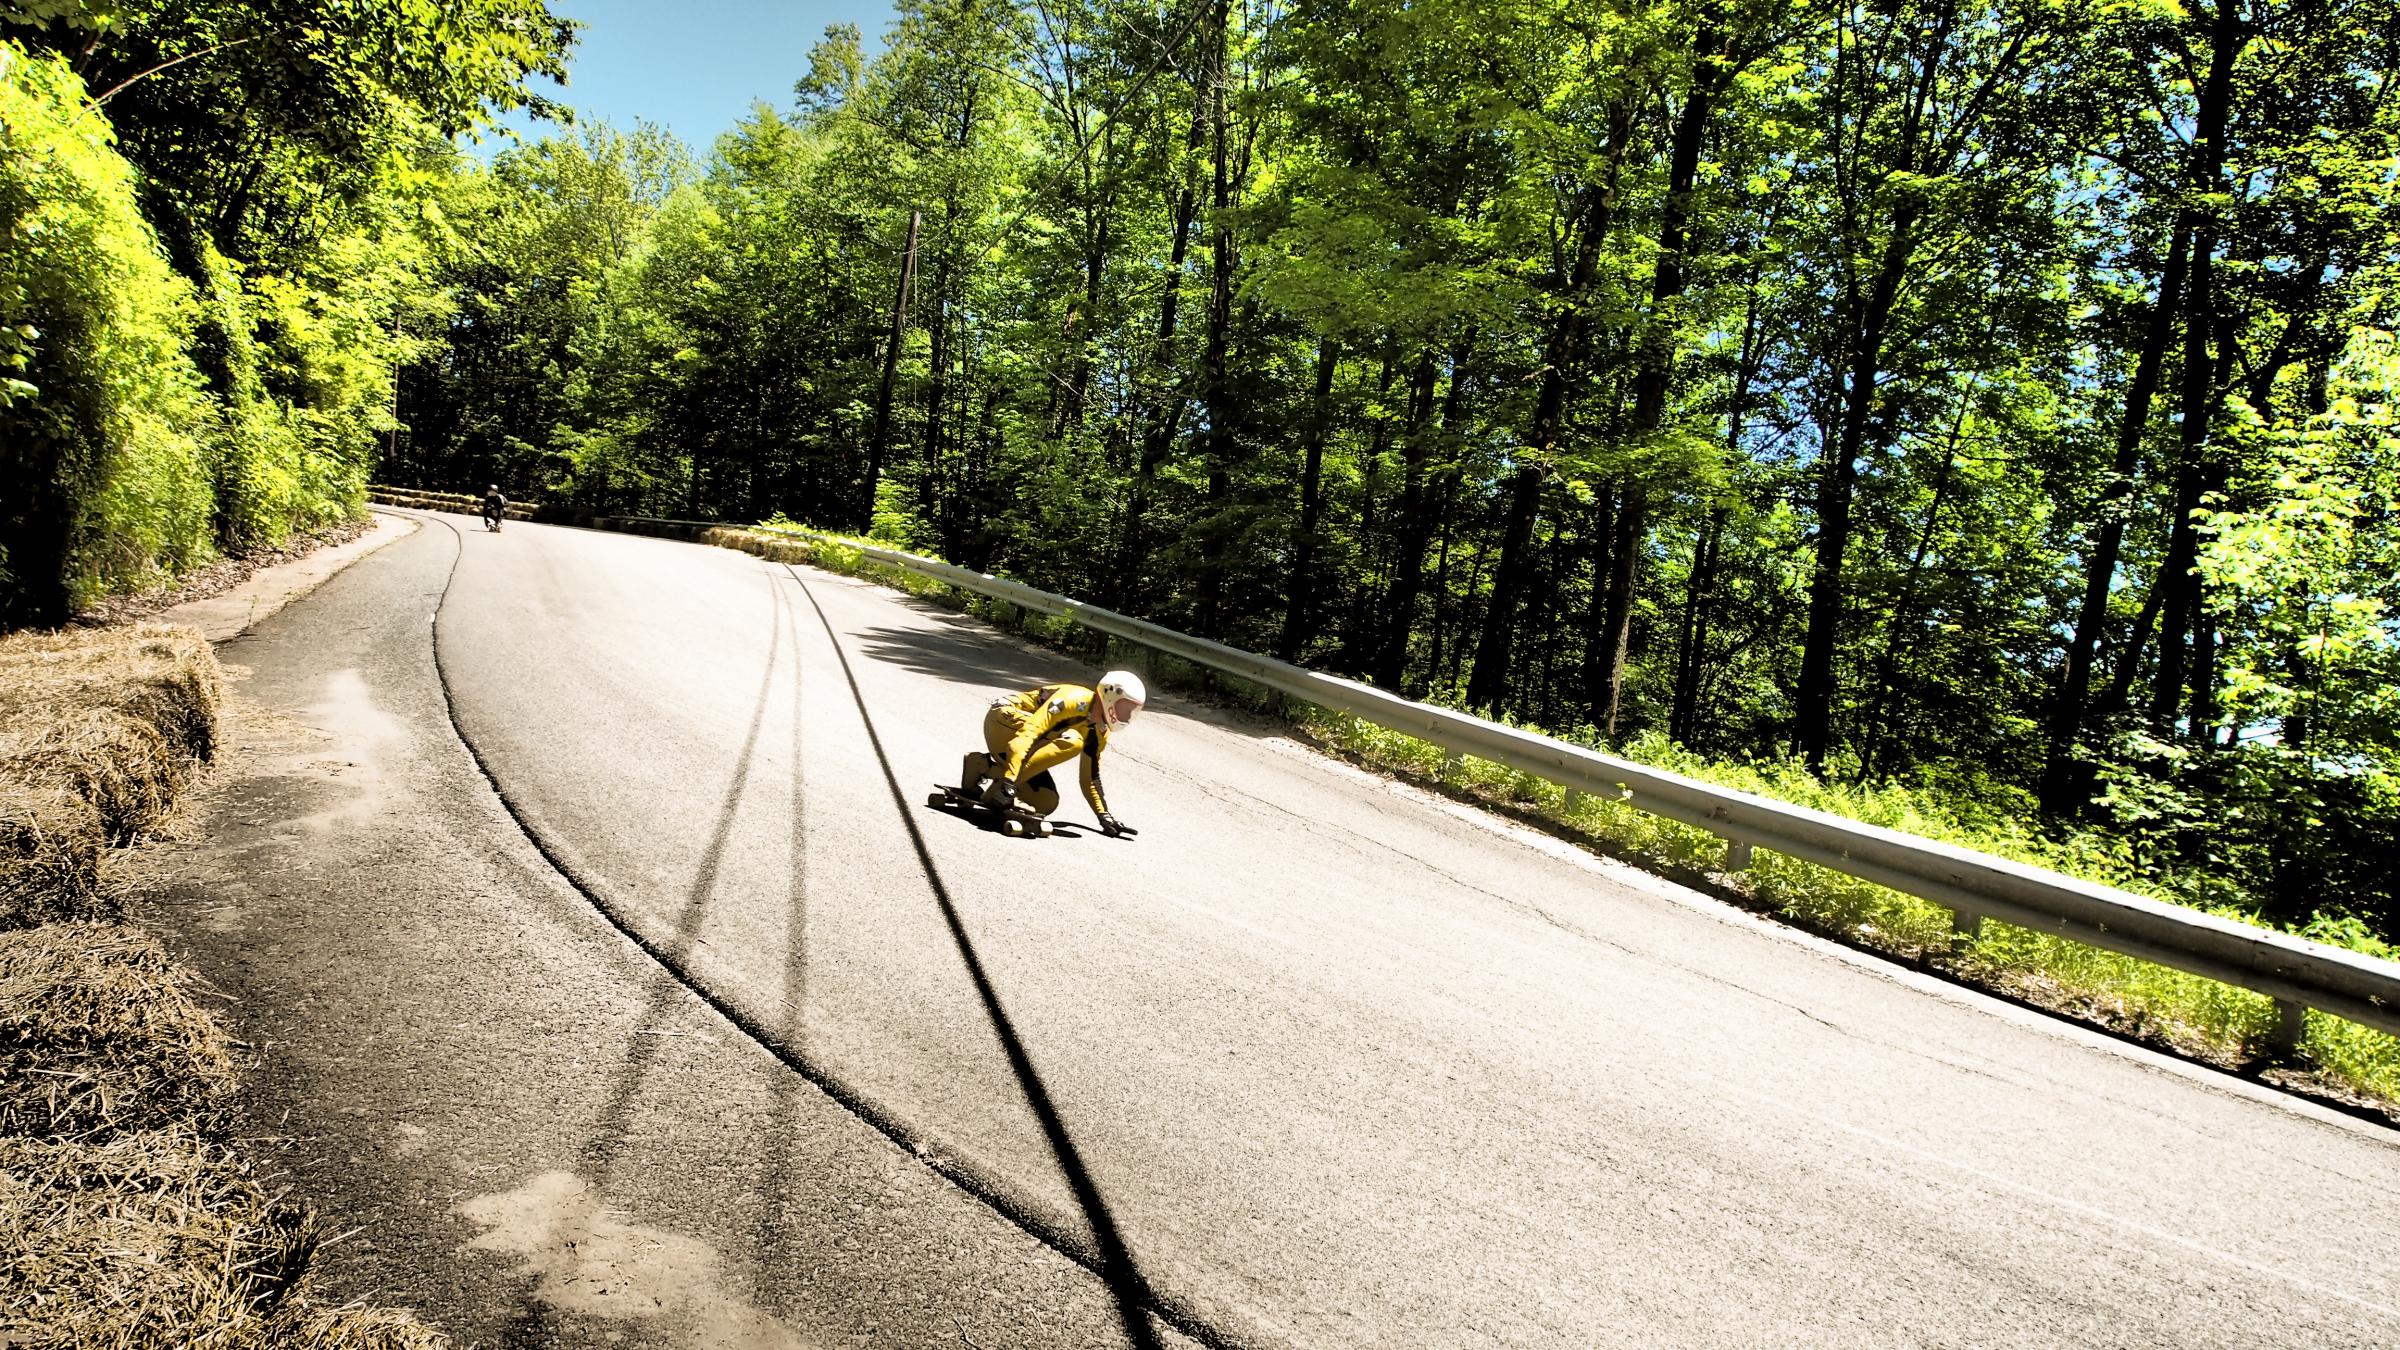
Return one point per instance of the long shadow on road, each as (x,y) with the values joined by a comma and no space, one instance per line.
(1116,1267)
(1105,1251)
(962,651)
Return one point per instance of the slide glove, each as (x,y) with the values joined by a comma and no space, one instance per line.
(1115,828)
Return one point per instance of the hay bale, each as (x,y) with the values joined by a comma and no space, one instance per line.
(51,842)
(99,1033)
(772,547)
(160,1237)
(99,731)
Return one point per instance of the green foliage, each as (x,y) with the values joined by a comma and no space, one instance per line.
(102,474)
(219,221)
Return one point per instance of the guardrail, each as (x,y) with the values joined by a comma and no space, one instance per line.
(2297,973)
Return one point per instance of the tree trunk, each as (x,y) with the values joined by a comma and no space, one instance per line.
(929,487)
(1684,714)
(1489,679)
(865,518)
(2063,787)
(1657,364)
(2181,611)
(1604,539)
(1362,636)
(1300,597)
(1865,320)
(1837,475)
(1421,505)
(1880,714)
(1562,353)
(1166,418)
(1216,388)
(1095,269)
(1691,651)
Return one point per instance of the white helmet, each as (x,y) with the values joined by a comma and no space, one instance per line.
(1118,689)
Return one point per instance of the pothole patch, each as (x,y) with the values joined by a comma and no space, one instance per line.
(586,1259)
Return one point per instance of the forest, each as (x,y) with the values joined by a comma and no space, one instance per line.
(1990,400)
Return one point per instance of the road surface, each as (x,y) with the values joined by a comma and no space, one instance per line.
(672,939)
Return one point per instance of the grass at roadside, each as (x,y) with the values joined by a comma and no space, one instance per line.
(125,1221)
(98,732)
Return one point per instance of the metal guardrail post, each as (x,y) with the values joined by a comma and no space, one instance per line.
(2291,1027)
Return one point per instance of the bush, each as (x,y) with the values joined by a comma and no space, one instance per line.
(102,478)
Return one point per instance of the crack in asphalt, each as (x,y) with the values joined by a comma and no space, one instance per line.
(966,1176)
(1356,843)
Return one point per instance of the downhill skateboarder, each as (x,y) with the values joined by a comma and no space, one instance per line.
(1031,733)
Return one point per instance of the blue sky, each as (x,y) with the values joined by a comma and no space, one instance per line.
(694,66)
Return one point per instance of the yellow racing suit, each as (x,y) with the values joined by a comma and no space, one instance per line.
(1040,729)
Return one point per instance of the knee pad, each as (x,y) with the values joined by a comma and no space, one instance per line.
(1042,793)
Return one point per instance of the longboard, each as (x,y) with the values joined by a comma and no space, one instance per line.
(1016,823)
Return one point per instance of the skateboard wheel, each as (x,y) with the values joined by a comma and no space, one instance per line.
(1015,828)
(1042,828)
(937,799)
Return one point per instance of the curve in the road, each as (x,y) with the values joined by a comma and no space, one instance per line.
(1103,1251)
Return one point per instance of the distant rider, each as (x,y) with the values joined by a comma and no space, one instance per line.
(1031,733)
(495,508)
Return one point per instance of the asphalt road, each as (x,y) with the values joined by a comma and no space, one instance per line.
(1313,1062)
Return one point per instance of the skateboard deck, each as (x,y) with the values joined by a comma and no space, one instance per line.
(1017,822)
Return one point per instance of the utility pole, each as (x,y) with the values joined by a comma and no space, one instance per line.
(891,365)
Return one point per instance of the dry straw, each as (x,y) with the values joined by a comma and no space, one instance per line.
(122,1224)
(98,1035)
(158,1238)
(98,731)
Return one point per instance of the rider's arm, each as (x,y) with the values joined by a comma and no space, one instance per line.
(1089,767)
(1019,746)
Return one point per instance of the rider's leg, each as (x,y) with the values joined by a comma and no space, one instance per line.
(999,728)
(1046,757)
(1041,793)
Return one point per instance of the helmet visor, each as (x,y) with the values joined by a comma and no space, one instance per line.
(1121,710)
